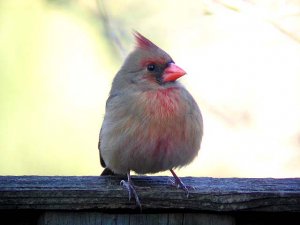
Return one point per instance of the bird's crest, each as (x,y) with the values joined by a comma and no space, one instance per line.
(142,42)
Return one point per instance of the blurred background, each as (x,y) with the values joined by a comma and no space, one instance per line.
(58,59)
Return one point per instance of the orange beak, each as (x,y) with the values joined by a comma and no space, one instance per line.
(172,73)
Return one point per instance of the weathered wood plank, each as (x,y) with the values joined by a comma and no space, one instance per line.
(105,193)
(69,218)
(207,219)
(94,218)
(148,219)
(175,218)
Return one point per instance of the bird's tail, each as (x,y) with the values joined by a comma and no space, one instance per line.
(107,172)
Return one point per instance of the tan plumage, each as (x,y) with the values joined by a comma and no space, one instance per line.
(151,122)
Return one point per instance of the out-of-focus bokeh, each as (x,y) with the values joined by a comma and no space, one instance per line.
(58,58)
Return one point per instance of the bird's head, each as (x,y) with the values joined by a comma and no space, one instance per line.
(150,65)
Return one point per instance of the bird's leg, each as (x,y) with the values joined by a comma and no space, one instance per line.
(131,190)
(179,184)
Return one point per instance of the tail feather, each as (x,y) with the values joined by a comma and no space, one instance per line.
(107,172)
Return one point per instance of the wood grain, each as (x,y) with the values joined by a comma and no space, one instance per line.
(156,194)
(87,218)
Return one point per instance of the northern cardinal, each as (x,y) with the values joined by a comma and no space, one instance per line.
(151,123)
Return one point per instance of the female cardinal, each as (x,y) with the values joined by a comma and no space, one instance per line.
(151,123)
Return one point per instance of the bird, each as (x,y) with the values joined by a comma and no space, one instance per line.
(151,122)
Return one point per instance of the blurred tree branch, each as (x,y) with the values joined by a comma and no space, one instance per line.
(109,29)
(270,15)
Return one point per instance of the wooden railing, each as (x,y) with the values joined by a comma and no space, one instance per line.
(49,200)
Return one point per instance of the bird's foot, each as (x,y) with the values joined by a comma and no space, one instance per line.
(177,182)
(131,190)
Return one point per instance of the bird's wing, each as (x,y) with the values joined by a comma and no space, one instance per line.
(106,170)
(99,143)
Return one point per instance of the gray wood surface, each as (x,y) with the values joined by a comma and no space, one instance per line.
(156,194)
(95,218)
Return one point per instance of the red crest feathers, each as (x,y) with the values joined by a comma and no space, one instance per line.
(143,42)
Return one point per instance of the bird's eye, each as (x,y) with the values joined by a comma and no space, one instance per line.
(151,67)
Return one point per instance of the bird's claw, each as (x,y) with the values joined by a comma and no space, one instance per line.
(179,184)
(126,185)
(131,192)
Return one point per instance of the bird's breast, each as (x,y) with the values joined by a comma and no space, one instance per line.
(165,132)
(160,130)
(163,103)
